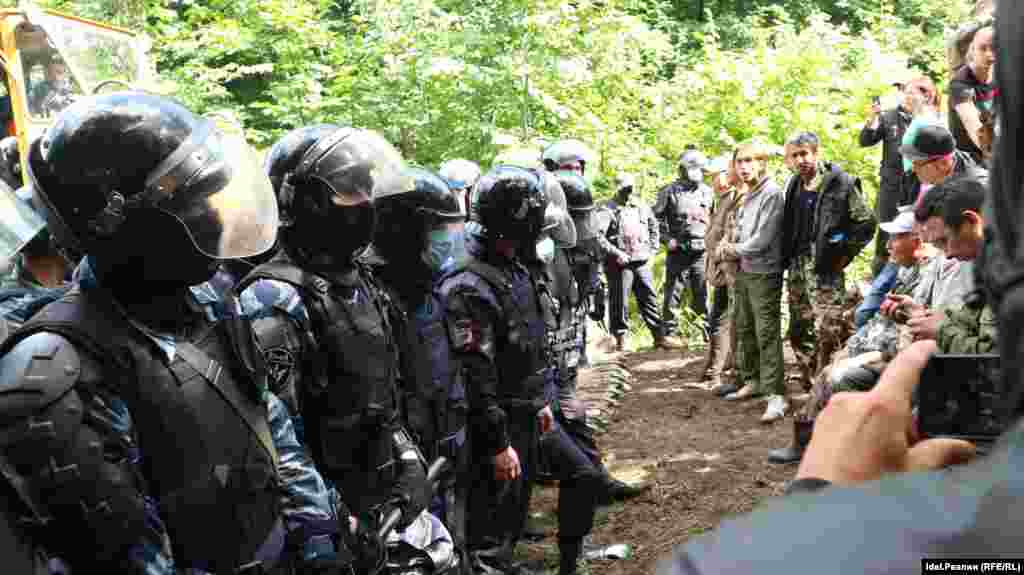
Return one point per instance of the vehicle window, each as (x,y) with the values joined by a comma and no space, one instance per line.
(50,85)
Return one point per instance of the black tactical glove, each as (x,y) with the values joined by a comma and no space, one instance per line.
(411,492)
(365,546)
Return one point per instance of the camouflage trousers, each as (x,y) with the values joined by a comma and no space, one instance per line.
(844,373)
(816,306)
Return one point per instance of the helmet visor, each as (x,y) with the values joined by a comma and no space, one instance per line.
(19,223)
(214,184)
(357,166)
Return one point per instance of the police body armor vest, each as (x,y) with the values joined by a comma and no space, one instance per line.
(18,549)
(351,406)
(521,353)
(202,428)
(565,315)
(585,260)
(448,387)
(689,213)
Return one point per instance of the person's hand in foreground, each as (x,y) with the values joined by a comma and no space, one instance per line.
(860,436)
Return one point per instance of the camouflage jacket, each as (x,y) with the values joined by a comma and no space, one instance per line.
(881,333)
(721,272)
(968,329)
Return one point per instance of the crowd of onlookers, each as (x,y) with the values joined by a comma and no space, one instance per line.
(728,225)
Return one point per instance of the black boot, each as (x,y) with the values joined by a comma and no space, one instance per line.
(793,453)
(569,551)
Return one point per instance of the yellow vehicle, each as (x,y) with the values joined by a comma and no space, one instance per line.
(48,60)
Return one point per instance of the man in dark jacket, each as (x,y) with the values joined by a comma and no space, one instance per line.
(888,127)
(683,209)
(827,223)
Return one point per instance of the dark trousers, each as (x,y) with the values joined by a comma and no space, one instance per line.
(581,481)
(451,498)
(497,509)
(638,278)
(719,307)
(683,268)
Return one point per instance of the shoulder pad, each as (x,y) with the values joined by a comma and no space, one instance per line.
(36,372)
(467,284)
(263,296)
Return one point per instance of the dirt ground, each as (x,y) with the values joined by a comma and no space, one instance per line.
(703,456)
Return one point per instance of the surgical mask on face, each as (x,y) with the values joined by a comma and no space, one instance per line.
(445,249)
(546,250)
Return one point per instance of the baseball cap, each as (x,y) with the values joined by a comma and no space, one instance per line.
(903,223)
(928,141)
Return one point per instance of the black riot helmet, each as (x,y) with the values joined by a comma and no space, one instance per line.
(326,178)
(406,214)
(581,204)
(509,203)
(154,191)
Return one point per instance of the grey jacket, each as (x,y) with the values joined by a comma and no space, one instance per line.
(759,228)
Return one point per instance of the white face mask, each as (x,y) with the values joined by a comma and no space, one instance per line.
(546,250)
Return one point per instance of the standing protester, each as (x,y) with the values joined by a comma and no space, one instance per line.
(160,449)
(827,223)
(973,97)
(324,325)
(683,209)
(418,238)
(888,127)
(721,274)
(461,176)
(495,321)
(757,247)
(630,243)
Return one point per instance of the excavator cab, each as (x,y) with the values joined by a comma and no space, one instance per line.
(48,60)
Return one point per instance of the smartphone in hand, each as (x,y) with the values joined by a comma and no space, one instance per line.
(961,396)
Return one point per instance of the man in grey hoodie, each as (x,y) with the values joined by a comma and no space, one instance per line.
(758,287)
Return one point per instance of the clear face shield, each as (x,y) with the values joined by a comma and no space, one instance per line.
(19,223)
(215,186)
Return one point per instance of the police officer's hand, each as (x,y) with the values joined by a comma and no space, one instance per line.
(506,465)
(673,245)
(364,544)
(861,435)
(546,419)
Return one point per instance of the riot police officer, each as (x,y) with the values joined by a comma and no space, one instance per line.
(418,237)
(569,449)
(140,435)
(324,324)
(683,209)
(496,327)
(461,175)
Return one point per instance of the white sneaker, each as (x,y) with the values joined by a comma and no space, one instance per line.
(777,408)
